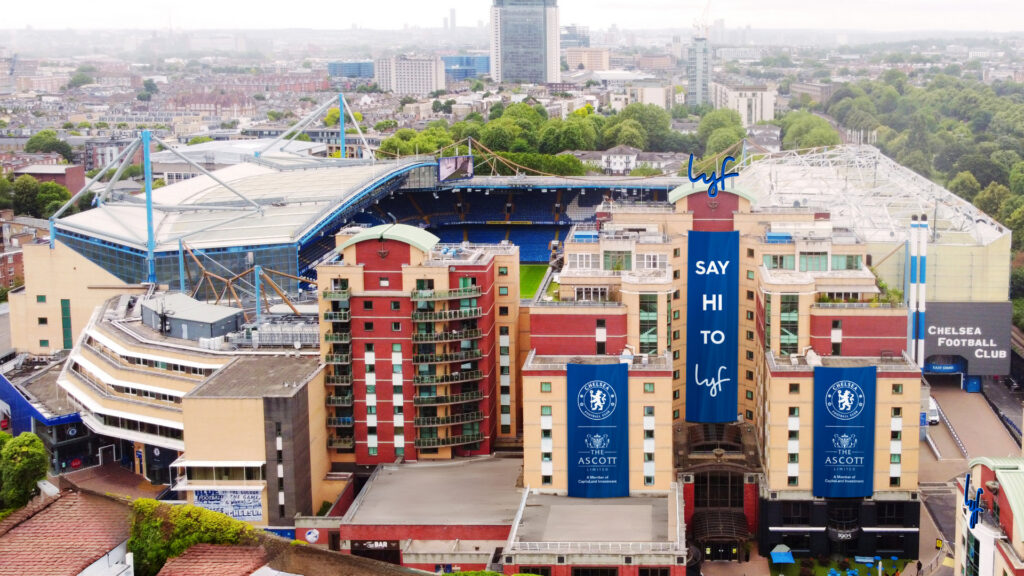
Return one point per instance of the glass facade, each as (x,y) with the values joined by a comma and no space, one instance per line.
(648,323)
(789,323)
(524,40)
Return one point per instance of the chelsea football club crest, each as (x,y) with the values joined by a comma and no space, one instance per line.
(845,400)
(597,400)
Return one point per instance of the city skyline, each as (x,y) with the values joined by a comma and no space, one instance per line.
(872,15)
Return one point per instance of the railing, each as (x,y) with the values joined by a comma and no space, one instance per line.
(454,378)
(580,303)
(446,336)
(467,292)
(341,442)
(856,305)
(952,431)
(338,337)
(447,420)
(339,380)
(337,294)
(596,547)
(340,421)
(449,441)
(338,358)
(451,399)
(340,316)
(339,400)
(442,358)
(446,315)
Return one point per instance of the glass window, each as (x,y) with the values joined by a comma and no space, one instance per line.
(368,326)
(675,414)
(545,386)
(545,433)
(372,451)
(384,282)
(371,409)
(793,481)
(502,270)
(44,343)
(396,305)
(42,321)
(41,299)
(648,387)
(502,290)
(396,347)
(367,304)
(648,480)
(794,387)
(794,410)
(545,480)
(618,260)
(648,410)
(897,412)
(897,388)
(794,458)
(396,326)
(894,458)
(750,394)
(750,274)
(814,261)
(545,410)
(503,311)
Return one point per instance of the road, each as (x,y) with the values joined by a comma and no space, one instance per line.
(980,430)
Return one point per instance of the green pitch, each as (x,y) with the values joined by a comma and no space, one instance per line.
(530,276)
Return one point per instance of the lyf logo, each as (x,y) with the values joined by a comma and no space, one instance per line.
(845,400)
(597,400)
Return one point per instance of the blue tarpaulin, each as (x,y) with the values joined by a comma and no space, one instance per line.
(781,554)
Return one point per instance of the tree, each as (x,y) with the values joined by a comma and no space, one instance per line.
(25,189)
(385,125)
(68,125)
(6,193)
(721,118)
(723,138)
(22,464)
(149,85)
(274,115)
(984,169)
(49,198)
(80,79)
(496,111)
(144,96)
(47,141)
(1017,179)
(199,140)
(964,185)
(476,86)
(988,200)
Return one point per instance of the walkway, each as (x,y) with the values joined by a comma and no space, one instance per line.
(981,431)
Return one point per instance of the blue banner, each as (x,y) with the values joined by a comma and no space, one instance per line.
(712,323)
(844,432)
(598,430)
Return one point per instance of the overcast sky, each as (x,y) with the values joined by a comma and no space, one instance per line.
(884,15)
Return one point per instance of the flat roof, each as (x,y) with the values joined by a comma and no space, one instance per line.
(476,491)
(550,518)
(44,169)
(45,390)
(259,377)
(639,362)
(184,307)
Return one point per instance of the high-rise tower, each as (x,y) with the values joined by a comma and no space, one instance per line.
(525,41)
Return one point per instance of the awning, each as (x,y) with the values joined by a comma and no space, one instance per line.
(781,554)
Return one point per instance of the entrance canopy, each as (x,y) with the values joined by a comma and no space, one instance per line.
(781,554)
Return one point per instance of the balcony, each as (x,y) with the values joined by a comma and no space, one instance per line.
(430,421)
(336,294)
(339,316)
(455,378)
(339,380)
(452,399)
(446,336)
(450,441)
(447,315)
(466,356)
(338,358)
(341,442)
(340,422)
(339,400)
(338,337)
(431,295)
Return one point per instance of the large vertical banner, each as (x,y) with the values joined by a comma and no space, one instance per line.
(712,322)
(844,432)
(598,430)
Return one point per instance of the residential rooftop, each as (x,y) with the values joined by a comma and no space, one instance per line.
(259,377)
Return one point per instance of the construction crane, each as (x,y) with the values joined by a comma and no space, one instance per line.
(701,24)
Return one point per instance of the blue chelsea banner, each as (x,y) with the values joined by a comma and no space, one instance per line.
(712,323)
(598,430)
(844,432)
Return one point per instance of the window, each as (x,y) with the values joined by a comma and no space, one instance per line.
(648,410)
(506,409)
(675,394)
(749,375)
(675,374)
(502,290)
(750,354)
(837,349)
(44,343)
(399,431)
(503,350)
(676,294)
(545,410)
(368,326)
(396,305)
(506,428)
(750,394)
(675,355)
(648,434)
(750,315)
(545,433)
(384,282)
(676,252)
(396,347)
(794,434)
(398,408)
(545,456)
(675,275)
(545,480)
(789,320)
(750,274)
(794,387)
(894,458)
(648,457)
(367,304)
(749,415)
(42,321)
(503,311)
(502,270)
(675,414)
(897,412)
(845,262)
(779,261)
(369,348)
(545,386)
(618,260)
(896,435)
(648,387)
(750,334)
(648,480)
(675,314)
(837,324)
(503,330)
(675,334)
(894,482)
(371,369)
(648,323)
(371,409)
(793,481)
(372,451)
(40,299)
(794,410)
(601,348)
(504,371)
(396,368)
(750,294)
(897,388)
(794,458)
(814,261)
(396,326)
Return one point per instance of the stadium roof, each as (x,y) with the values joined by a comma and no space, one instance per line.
(291,200)
(866,192)
(232,151)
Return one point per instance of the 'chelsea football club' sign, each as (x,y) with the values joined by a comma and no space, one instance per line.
(598,430)
(844,431)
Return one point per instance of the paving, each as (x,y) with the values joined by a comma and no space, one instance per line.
(980,429)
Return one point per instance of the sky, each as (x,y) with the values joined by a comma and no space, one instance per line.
(880,15)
